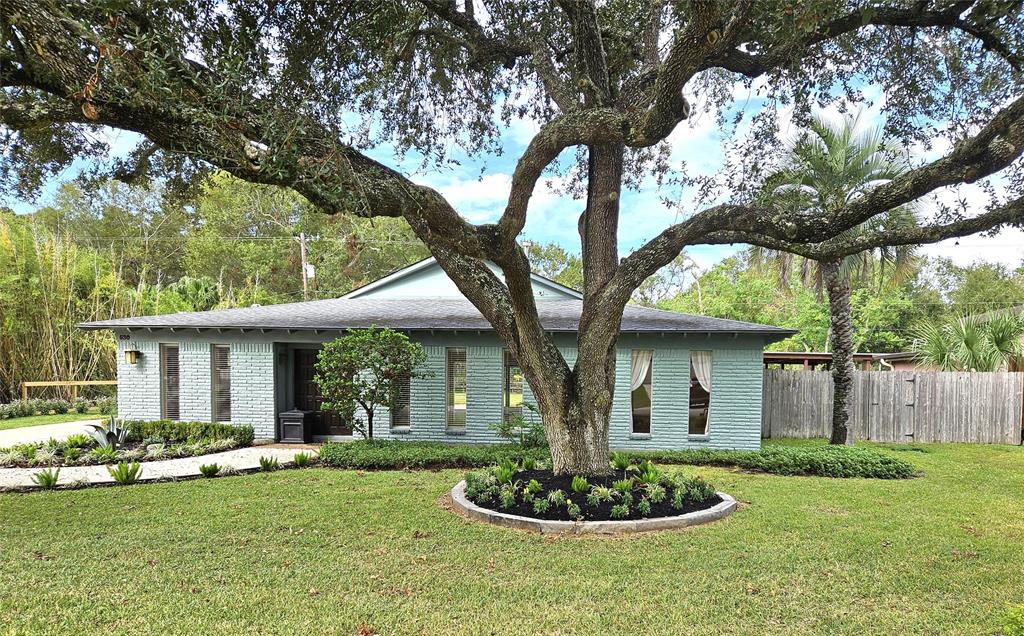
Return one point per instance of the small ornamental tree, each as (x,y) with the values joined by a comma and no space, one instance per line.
(366,367)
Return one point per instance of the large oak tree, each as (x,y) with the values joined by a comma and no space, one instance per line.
(292,93)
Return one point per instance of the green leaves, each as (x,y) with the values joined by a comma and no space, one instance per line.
(366,368)
(971,343)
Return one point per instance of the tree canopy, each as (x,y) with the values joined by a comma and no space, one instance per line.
(295,94)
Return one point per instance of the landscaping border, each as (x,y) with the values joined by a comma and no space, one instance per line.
(544,526)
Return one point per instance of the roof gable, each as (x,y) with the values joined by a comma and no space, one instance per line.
(426,279)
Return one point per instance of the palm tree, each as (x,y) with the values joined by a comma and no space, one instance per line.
(972,343)
(828,167)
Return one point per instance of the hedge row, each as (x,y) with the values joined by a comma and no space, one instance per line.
(171,431)
(44,406)
(821,461)
(818,460)
(396,455)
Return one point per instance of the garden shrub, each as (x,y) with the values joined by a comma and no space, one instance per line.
(395,455)
(189,431)
(33,406)
(107,405)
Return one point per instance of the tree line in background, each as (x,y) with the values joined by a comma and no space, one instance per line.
(127,250)
(123,250)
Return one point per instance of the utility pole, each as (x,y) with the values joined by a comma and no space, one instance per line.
(305,269)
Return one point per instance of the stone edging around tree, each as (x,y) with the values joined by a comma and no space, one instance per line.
(543,526)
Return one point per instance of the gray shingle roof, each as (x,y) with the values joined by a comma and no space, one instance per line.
(422,314)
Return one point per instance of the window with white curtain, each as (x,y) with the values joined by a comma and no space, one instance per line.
(700,391)
(641,389)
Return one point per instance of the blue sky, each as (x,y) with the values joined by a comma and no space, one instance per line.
(478,187)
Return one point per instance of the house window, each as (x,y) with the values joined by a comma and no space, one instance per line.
(513,388)
(220,359)
(169,382)
(641,389)
(456,372)
(400,410)
(700,391)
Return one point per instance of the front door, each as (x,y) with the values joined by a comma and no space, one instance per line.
(308,398)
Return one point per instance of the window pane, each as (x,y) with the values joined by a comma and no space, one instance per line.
(221,359)
(642,389)
(400,411)
(169,382)
(513,390)
(456,388)
(700,391)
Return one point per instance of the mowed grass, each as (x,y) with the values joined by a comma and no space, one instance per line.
(325,552)
(55,418)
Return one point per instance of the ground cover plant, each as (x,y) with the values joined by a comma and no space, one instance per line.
(637,491)
(905,557)
(130,441)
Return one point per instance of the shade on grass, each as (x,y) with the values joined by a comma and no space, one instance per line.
(323,551)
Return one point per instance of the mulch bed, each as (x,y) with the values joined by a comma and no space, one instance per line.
(601,512)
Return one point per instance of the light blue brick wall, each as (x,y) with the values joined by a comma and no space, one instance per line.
(428,396)
(252,378)
(138,385)
(196,393)
(252,385)
(735,415)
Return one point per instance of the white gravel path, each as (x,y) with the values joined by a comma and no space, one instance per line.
(239,459)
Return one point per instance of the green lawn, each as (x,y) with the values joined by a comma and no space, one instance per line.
(323,551)
(38,420)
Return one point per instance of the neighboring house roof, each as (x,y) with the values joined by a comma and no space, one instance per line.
(418,314)
(426,279)
(1016,310)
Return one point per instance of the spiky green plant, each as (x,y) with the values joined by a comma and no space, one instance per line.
(301,460)
(125,473)
(580,484)
(47,479)
(268,464)
(209,470)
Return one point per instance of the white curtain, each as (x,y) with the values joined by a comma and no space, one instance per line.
(641,366)
(702,368)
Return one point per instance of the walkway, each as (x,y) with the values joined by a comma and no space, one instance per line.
(184,467)
(42,433)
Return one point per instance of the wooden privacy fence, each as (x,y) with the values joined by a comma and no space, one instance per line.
(899,406)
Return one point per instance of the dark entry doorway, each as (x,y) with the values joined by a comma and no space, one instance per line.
(308,398)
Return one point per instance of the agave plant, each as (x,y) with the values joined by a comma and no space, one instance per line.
(109,435)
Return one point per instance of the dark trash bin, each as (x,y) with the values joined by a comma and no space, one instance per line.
(294,427)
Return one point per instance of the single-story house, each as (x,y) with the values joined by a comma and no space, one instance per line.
(683,381)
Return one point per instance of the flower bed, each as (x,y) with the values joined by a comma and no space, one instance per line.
(142,441)
(633,491)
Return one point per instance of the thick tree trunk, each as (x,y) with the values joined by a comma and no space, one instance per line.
(841,315)
(579,431)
